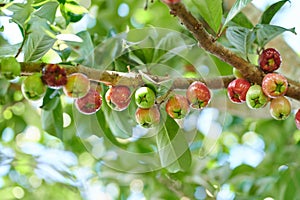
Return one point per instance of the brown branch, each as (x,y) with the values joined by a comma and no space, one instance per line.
(208,43)
(130,79)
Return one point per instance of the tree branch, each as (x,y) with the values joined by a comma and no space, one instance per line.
(130,79)
(208,43)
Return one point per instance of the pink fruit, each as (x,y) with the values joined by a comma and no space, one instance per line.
(198,95)
(274,85)
(177,106)
(269,60)
(118,97)
(90,103)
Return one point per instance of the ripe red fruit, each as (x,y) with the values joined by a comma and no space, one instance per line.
(90,103)
(77,85)
(198,95)
(274,85)
(54,76)
(297,119)
(147,117)
(118,97)
(177,106)
(280,108)
(269,60)
(171,1)
(237,90)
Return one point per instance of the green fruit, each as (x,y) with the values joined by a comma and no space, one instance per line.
(78,85)
(33,87)
(255,97)
(145,97)
(147,118)
(280,108)
(10,67)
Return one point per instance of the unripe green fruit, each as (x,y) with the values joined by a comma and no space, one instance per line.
(177,106)
(33,87)
(78,85)
(144,97)
(147,118)
(255,97)
(280,108)
(10,67)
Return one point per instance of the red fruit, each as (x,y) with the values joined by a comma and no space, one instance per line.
(280,108)
(147,117)
(78,85)
(171,1)
(274,85)
(297,119)
(54,76)
(177,106)
(198,95)
(118,97)
(90,103)
(269,60)
(237,90)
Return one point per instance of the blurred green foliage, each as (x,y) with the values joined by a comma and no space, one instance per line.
(58,153)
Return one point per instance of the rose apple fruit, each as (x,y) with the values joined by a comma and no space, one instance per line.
(255,97)
(54,76)
(77,86)
(297,119)
(10,67)
(144,97)
(237,90)
(171,1)
(269,60)
(274,85)
(33,87)
(147,118)
(118,97)
(280,108)
(198,95)
(177,106)
(90,103)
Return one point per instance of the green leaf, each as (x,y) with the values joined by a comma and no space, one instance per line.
(103,123)
(265,33)
(223,67)
(39,40)
(241,38)
(47,11)
(51,99)
(84,49)
(242,20)
(211,11)
(4,85)
(173,148)
(52,121)
(236,8)
(21,12)
(271,11)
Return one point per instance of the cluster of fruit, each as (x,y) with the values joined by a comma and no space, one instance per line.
(273,88)
(177,106)
(88,99)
